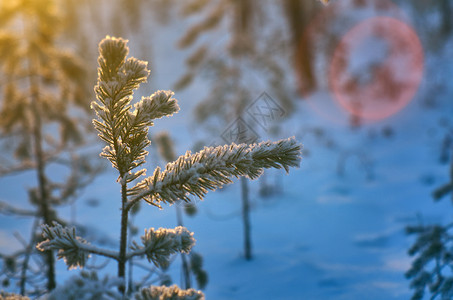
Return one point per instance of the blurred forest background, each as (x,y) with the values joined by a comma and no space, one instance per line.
(363,84)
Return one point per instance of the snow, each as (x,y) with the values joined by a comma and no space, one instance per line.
(325,236)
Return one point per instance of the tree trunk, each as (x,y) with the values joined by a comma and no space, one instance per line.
(446,13)
(298,14)
(45,210)
(246,219)
(243,32)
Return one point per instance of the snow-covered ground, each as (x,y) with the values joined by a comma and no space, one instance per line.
(325,235)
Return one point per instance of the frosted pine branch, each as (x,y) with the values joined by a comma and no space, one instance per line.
(9,296)
(156,106)
(168,293)
(159,244)
(65,241)
(117,79)
(213,167)
(71,248)
(124,129)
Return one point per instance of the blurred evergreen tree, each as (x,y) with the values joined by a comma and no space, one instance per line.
(43,122)
(433,251)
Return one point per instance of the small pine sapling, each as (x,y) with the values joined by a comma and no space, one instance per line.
(124,127)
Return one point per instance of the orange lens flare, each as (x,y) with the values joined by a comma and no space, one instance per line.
(376,68)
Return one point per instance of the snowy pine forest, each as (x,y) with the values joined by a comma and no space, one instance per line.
(221,149)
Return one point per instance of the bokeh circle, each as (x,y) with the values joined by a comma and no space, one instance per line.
(376,68)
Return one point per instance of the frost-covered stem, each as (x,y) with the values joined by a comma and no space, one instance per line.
(130,270)
(185,265)
(123,238)
(40,168)
(246,218)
